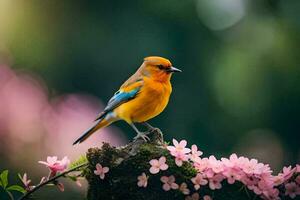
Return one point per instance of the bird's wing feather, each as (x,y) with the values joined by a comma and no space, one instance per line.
(121,96)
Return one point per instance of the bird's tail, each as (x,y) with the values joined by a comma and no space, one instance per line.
(100,123)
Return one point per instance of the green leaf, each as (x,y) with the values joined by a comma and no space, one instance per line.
(4,179)
(16,188)
(20,177)
(81,160)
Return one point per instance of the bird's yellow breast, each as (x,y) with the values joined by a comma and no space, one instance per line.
(150,101)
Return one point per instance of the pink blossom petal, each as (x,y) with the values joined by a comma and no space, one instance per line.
(166,187)
(154,170)
(154,162)
(105,169)
(164,167)
(164,179)
(43,162)
(102,176)
(162,160)
(171,148)
(178,162)
(174,186)
(171,179)
(182,143)
(175,142)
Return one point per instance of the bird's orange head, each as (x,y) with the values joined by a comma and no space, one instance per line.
(158,68)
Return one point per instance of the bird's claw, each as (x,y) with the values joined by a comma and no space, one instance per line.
(143,136)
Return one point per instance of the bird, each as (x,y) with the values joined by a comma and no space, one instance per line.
(142,97)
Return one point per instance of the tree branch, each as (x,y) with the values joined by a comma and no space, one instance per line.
(26,195)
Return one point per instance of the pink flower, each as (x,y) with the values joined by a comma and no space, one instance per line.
(179,151)
(199,180)
(215,182)
(234,160)
(25,181)
(101,171)
(169,183)
(180,157)
(201,164)
(56,165)
(195,154)
(157,165)
(249,166)
(233,163)
(287,172)
(207,197)
(184,189)
(215,164)
(232,175)
(142,180)
(178,147)
(209,173)
(278,180)
(194,196)
(249,180)
(292,189)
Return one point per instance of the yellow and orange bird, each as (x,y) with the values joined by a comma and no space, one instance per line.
(143,96)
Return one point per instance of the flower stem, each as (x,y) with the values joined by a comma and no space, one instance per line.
(10,195)
(51,180)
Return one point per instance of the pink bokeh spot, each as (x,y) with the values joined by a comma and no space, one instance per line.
(68,117)
(43,121)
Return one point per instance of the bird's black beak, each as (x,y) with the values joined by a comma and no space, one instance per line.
(173,69)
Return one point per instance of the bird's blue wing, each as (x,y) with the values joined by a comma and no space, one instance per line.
(119,98)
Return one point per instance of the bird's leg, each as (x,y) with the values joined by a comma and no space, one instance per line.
(148,125)
(139,134)
(152,129)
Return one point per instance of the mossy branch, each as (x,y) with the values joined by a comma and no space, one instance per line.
(128,162)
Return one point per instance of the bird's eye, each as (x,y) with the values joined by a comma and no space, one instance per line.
(160,67)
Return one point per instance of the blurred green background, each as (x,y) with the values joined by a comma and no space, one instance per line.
(240,90)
